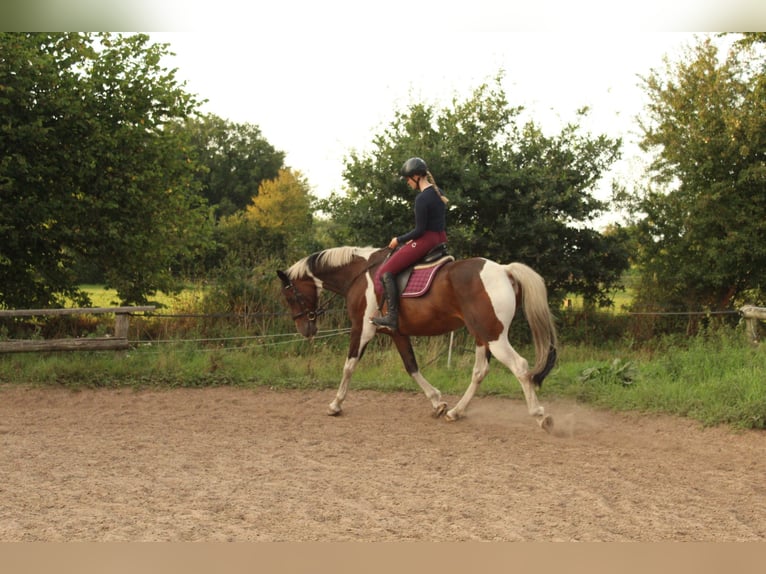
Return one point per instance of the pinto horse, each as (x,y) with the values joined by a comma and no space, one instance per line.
(476,293)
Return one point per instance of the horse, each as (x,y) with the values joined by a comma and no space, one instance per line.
(477,293)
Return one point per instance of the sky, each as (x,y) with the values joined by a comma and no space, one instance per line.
(319,96)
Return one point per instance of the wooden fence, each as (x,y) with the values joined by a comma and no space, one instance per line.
(752,315)
(117,342)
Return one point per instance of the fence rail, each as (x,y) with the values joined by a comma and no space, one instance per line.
(119,341)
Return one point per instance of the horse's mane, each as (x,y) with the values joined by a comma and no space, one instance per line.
(328,259)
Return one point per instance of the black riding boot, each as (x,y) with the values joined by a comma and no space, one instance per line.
(392,297)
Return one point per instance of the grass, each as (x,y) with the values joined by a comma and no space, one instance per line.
(714,378)
(621,301)
(102,297)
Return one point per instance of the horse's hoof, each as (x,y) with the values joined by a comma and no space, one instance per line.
(334,412)
(546,423)
(451,416)
(439,410)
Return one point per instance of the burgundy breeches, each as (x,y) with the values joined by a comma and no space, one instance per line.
(408,254)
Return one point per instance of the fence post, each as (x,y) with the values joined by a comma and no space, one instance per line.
(752,315)
(121,325)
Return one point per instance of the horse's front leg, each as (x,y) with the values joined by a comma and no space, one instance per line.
(348,370)
(404,346)
(359,339)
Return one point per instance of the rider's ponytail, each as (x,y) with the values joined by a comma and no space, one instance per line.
(432,181)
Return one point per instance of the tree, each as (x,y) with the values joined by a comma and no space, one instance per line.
(89,171)
(515,193)
(274,230)
(235,159)
(750,38)
(283,206)
(700,220)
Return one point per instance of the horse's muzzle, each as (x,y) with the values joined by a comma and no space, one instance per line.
(307,328)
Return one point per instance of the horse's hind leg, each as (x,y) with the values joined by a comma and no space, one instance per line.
(480,370)
(404,346)
(505,353)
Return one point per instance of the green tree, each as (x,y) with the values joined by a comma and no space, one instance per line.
(274,230)
(235,159)
(515,193)
(89,171)
(277,225)
(700,222)
(749,38)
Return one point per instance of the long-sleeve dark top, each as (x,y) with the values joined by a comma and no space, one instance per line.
(430,215)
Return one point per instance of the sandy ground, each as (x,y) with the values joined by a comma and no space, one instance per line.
(258,465)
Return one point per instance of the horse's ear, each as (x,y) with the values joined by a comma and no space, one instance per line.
(283,276)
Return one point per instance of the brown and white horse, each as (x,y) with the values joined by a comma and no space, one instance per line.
(478,293)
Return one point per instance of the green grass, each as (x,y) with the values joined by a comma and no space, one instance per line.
(102,297)
(621,301)
(714,378)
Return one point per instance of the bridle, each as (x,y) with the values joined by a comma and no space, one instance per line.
(311,316)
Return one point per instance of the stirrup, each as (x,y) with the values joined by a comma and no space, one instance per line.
(386,321)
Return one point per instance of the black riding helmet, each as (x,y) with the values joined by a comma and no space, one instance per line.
(413,166)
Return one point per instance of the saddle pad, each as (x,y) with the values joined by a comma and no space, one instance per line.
(421,278)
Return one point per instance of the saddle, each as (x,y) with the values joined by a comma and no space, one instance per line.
(415,281)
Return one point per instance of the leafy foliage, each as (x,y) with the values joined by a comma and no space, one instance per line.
(700,227)
(89,169)
(617,372)
(275,229)
(283,202)
(515,193)
(235,159)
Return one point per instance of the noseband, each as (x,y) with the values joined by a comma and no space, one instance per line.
(311,316)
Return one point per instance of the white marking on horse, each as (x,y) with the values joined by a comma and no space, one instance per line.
(369,328)
(500,292)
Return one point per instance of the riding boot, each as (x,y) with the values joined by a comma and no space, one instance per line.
(392,297)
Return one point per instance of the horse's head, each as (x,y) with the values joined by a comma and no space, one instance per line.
(302,297)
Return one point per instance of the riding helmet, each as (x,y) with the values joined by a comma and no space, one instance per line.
(413,166)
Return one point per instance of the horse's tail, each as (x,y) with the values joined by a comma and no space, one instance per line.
(534,296)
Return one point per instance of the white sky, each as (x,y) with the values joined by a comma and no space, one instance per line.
(320,82)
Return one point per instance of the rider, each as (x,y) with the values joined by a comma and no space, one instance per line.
(429,231)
